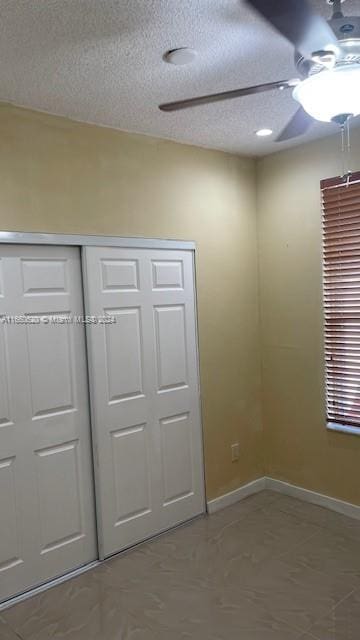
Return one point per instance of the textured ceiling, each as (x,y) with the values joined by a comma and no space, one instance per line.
(101,61)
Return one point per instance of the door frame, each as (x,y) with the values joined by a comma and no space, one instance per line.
(80,240)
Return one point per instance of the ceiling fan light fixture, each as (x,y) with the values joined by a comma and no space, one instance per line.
(331,93)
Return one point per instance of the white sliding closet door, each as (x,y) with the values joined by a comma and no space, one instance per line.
(145,393)
(46,497)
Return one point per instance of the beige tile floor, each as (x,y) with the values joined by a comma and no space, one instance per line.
(268,568)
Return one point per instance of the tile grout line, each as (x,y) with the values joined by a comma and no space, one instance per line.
(6,624)
(307,539)
(276,498)
(256,509)
(318,533)
(348,595)
(299,544)
(323,617)
(334,607)
(307,632)
(308,520)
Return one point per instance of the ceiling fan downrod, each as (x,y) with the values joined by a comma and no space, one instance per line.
(336,5)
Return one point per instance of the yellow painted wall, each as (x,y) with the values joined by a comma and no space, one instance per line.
(66,177)
(61,176)
(298,447)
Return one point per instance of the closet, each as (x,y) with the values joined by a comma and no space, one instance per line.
(100,430)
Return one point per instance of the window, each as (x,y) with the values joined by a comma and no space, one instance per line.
(341,266)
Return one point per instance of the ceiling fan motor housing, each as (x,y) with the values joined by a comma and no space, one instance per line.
(346,27)
(347,32)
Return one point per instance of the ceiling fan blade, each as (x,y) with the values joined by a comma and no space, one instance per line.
(295,19)
(227,95)
(299,124)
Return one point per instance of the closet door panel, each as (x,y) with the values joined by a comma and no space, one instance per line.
(176,398)
(121,370)
(45,435)
(145,397)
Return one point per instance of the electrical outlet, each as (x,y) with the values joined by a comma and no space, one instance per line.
(235,452)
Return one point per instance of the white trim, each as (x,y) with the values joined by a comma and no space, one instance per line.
(94,443)
(234,496)
(19,237)
(346,508)
(346,182)
(343,428)
(199,380)
(47,585)
(340,506)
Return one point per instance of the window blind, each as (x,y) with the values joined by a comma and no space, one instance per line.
(341,269)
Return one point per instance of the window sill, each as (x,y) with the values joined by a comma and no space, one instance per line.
(343,428)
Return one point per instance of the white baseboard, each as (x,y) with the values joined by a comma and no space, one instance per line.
(234,496)
(346,508)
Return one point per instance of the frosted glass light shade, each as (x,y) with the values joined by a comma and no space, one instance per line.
(331,93)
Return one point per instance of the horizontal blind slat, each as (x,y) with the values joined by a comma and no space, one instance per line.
(341,238)
(341,223)
(341,217)
(341,197)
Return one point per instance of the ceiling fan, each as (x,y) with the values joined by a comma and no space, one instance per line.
(327,58)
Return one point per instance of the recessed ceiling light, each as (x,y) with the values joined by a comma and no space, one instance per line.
(181,56)
(262,133)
